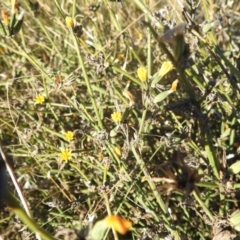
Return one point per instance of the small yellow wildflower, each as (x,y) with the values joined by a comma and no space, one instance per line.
(116,117)
(165,68)
(142,74)
(69,22)
(68,135)
(39,99)
(174,85)
(65,154)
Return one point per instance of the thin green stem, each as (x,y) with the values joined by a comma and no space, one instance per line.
(202,204)
(151,183)
(211,154)
(110,213)
(88,84)
(145,91)
(126,75)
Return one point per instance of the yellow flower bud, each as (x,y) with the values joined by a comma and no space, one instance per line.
(165,68)
(142,74)
(5,18)
(69,22)
(117,151)
(174,85)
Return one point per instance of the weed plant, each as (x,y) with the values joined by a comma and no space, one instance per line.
(126,108)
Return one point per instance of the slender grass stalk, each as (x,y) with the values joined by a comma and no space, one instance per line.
(155,192)
(3,28)
(126,75)
(207,184)
(80,172)
(145,91)
(110,213)
(149,53)
(202,204)
(211,155)
(59,8)
(74,8)
(151,183)
(15,182)
(88,84)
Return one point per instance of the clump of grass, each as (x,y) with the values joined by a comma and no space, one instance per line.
(97,97)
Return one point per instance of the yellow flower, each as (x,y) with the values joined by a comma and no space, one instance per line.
(65,154)
(118,223)
(142,74)
(69,135)
(174,85)
(165,68)
(116,117)
(39,99)
(69,22)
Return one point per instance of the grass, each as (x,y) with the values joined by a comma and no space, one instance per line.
(87,134)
